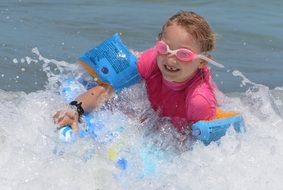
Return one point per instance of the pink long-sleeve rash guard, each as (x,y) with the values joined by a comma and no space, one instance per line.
(186,102)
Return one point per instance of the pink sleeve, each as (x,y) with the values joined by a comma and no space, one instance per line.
(147,62)
(201,107)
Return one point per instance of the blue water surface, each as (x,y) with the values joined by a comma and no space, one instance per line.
(249,35)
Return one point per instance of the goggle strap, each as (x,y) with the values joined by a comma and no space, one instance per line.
(210,61)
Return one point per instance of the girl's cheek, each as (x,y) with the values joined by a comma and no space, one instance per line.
(161,59)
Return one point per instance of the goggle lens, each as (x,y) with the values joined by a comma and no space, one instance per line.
(161,48)
(184,55)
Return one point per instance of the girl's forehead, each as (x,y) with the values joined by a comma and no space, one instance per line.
(177,36)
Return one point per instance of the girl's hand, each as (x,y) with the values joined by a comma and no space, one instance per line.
(67,117)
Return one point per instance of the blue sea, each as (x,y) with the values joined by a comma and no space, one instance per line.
(40,42)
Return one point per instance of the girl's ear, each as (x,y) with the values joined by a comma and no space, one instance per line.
(203,62)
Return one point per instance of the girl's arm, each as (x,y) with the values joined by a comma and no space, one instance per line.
(95,97)
(91,99)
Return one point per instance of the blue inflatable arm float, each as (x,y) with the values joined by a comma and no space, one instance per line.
(213,130)
(111,62)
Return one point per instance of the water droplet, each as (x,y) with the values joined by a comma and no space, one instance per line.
(15,60)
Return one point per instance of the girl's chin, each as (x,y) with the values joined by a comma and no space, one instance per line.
(171,78)
(174,78)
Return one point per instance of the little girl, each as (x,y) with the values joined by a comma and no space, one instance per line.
(178,81)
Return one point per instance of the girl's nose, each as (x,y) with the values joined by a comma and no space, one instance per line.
(171,59)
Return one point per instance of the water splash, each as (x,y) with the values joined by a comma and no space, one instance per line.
(27,141)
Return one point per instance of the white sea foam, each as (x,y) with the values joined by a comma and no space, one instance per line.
(32,157)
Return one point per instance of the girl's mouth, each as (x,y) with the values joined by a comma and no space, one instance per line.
(171,69)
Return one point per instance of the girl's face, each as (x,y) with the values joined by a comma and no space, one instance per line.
(172,69)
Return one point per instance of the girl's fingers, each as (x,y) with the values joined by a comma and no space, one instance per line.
(56,117)
(63,118)
(72,115)
(67,118)
(75,127)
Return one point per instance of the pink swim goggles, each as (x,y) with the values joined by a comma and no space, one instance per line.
(182,54)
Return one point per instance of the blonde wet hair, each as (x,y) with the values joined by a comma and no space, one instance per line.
(194,24)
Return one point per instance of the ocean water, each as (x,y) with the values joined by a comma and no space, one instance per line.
(40,42)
